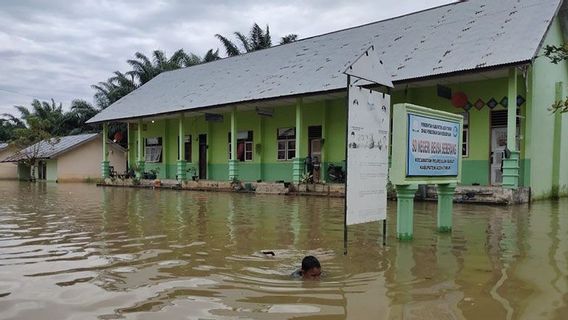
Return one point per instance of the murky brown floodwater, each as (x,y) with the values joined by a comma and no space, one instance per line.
(74,251)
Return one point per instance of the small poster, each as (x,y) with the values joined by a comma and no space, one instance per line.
(367,155)
(433,147)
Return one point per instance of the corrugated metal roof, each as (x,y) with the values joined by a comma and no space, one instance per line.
(457,37)
(54,149)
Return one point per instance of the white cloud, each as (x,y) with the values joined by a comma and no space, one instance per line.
(58,49)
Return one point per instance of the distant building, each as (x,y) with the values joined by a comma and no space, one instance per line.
(8,171)
(259,115)
(69,159)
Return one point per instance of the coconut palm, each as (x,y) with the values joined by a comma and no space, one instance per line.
(258,39)
(49,115)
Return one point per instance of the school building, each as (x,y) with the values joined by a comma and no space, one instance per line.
(260,115)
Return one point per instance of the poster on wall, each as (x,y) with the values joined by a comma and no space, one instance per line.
(433,147)
(367,155)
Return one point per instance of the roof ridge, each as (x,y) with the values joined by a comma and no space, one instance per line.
(319,35)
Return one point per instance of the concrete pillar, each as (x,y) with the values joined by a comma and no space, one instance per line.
(105,164)
(323,168)
(233,162)
(181,163)
(258,140)
(165,143)
(405,211)
(511,164)
(140,163)
(130,146)
(445,207)
(298,162)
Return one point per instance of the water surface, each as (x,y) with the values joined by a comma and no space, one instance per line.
(75,251)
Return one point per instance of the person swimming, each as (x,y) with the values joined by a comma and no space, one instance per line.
(311,269)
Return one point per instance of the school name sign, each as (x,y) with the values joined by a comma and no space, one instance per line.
(426,146)
(432,147)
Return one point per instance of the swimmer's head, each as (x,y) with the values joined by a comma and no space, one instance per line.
(311,268)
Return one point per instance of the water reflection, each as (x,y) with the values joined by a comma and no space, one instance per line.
(77,251)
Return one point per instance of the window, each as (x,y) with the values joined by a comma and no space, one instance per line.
(153,150)
(187,148)
(465,135)
(244,145)
(286,139)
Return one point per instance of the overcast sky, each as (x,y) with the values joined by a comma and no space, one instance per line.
(58,48)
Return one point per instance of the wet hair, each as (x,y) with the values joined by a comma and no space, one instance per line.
(310,262)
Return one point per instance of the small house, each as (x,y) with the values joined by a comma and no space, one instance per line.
(73,158)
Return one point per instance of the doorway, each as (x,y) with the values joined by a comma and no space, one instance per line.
(203,156)
(498,146)
(42,170)
(313,162)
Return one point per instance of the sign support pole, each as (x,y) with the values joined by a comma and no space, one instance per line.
(405,211)
(445,207)
(385,232)
(346,161)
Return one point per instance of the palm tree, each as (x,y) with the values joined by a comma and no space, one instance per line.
(258,39)
(8,127)
(49,115)
(288,38)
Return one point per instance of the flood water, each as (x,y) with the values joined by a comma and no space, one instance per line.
(76,251)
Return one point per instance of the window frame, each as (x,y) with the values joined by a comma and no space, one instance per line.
(465,135)
(153,150)
(248,141)
(286,140)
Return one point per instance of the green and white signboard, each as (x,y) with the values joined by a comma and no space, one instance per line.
(426,149)
(426,146)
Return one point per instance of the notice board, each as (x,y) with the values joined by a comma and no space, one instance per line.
(367,155)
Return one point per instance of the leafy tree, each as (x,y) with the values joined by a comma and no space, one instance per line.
(8,128)
(31,139)
(557,54)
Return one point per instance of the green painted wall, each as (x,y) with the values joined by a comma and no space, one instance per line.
(332,116)
(542,125)
(51,170)
(476,166)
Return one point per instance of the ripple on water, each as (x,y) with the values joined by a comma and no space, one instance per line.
(124,270)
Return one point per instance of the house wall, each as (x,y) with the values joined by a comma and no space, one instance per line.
(8,171)
(84,162)
(51,170)
(264,165)
(547,132)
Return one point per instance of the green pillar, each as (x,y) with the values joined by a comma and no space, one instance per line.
(405,211)
(163,174)
(140,163)
(511,164)
(181,163)
(233,162)
(298,162)
(258,141)
(445,207)
(130,144)
(105,164)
